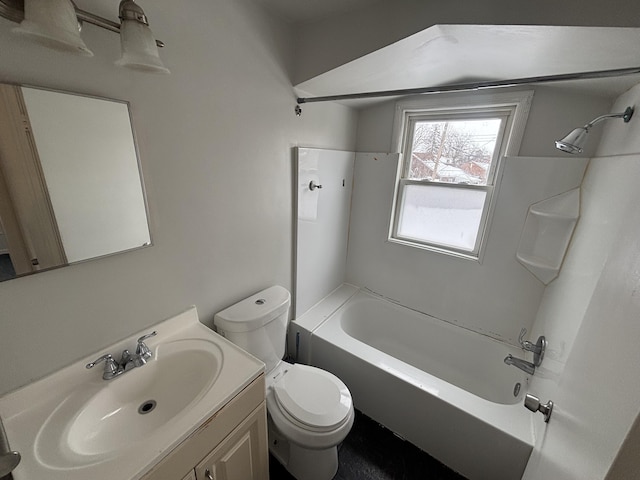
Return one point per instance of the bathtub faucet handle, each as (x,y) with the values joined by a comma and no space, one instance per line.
(526,344)
(537,348)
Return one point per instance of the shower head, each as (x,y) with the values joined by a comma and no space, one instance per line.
(575,141)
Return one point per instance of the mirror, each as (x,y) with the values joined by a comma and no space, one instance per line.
(70,182)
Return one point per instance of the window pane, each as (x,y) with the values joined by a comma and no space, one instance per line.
(440,215)
(453,151)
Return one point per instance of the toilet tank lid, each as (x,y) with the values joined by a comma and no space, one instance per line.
(255,311)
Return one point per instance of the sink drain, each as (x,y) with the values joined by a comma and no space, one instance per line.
(147,407)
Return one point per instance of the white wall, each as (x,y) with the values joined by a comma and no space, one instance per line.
(215,140)
(499,296)
(589,316)
(554,112)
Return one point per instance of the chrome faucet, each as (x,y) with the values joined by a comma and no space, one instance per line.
(9,459)
(127,362)
(537,348)
(138,359)
(523,365)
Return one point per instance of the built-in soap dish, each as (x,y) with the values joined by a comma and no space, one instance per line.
(547,233)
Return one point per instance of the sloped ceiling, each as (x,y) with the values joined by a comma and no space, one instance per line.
(451,54)
(300,11)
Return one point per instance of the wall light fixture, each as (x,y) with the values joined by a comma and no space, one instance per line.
(57,24)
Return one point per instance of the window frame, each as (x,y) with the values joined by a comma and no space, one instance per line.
(512,107)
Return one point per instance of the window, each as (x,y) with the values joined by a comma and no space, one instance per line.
(449,174)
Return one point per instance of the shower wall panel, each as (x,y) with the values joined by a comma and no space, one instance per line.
(322,223)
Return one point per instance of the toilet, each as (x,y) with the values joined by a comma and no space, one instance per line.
(310,411)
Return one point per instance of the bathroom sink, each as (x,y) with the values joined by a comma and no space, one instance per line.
(73,425)
(131,407)
(91,426)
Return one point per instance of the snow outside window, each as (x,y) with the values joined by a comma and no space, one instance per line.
(449,173)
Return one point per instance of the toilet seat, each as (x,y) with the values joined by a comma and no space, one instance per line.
(313,399)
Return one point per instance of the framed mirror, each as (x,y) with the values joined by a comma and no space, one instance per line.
(71,187)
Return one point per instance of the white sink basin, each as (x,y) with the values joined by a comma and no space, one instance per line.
(94,424)
(75,425)
(131,407)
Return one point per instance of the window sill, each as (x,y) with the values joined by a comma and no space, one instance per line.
(431,248)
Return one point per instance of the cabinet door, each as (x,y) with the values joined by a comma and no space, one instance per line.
(243,455)
(190,476)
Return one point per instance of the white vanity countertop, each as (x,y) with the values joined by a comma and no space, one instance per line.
(37,416)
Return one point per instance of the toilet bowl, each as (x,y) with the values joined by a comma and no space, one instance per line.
(310,411)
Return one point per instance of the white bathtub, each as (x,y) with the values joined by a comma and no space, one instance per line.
(441,387)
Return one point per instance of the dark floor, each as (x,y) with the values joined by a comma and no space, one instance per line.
(371,452)
(6,268)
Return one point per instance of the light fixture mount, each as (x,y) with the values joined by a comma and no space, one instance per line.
(13,10)
(129,10)
(52,23)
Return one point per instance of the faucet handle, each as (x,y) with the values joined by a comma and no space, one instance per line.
(537,348)
(521,339)
(148,335)
(526,344)
(142,350)
(111,367)
(108,360)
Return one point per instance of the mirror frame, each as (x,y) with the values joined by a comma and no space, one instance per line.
(141,178)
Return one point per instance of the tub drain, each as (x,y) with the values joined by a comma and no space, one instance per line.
(516,389)
(146,407)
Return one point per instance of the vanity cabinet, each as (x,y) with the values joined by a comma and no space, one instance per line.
(230,445)
(239,457)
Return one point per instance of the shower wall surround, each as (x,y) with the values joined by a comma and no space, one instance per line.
(495,297)
(590,315)
(498,296)
(322,223)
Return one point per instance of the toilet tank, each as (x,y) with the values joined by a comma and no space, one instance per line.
(258,324)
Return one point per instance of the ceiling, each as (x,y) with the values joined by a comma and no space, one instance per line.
(447,54)
(452,54)
(299,11)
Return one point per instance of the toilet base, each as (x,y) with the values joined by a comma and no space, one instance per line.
(303,463)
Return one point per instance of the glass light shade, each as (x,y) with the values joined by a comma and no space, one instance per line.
(53,23)
(139,49)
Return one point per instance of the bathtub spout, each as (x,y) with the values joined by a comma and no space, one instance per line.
(523,365)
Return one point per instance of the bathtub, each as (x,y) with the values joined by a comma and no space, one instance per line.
(441,387)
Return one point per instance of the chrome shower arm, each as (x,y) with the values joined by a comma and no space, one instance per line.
(575,140)
(626,116)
